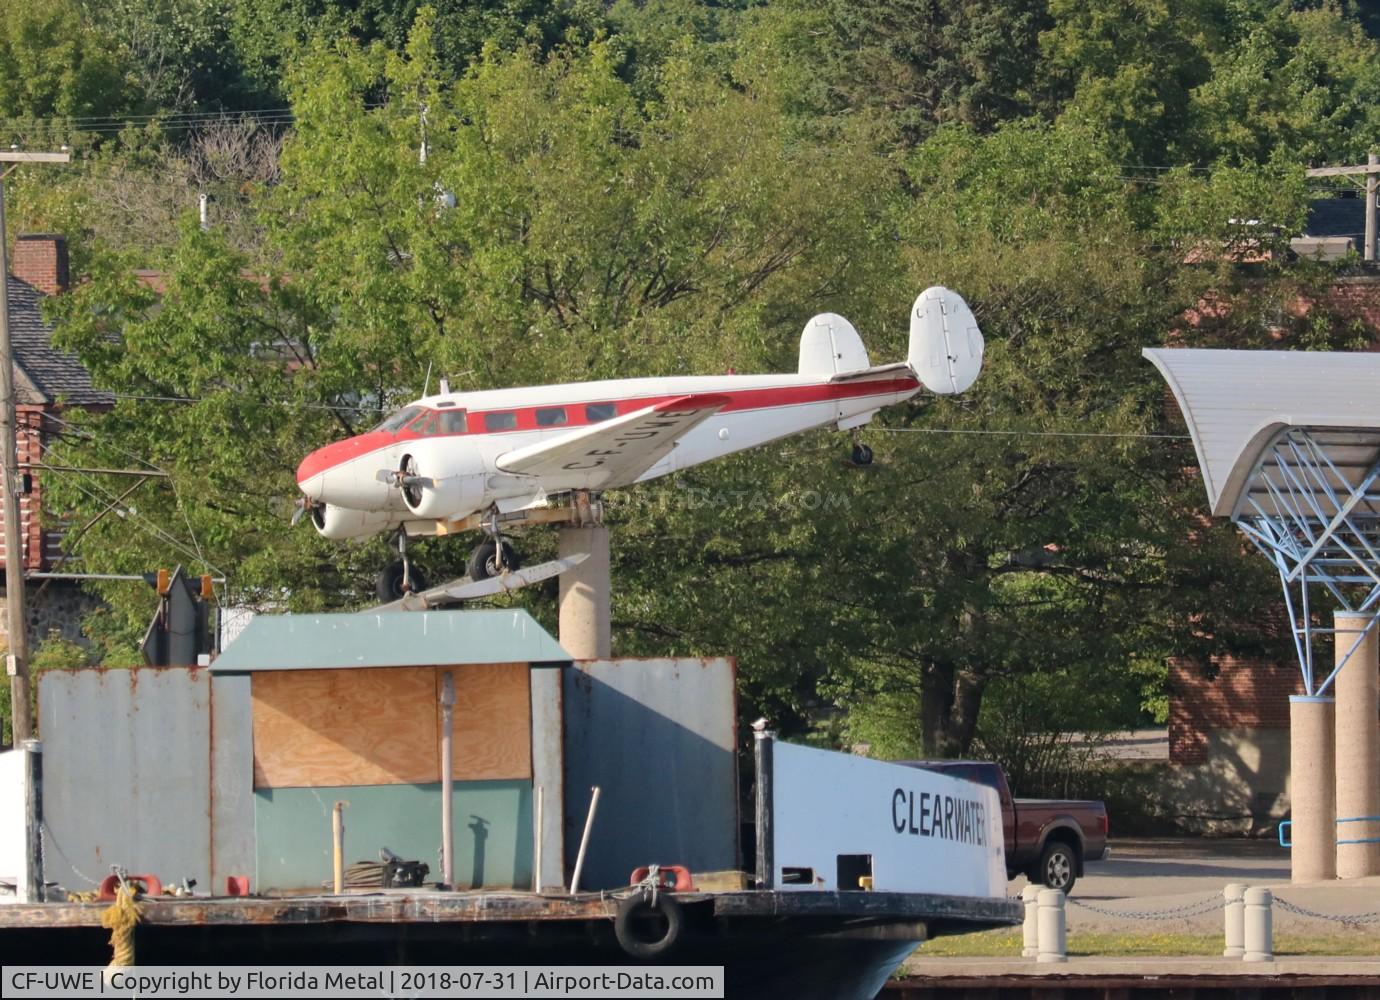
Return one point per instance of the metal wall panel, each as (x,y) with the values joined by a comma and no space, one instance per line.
(232,780)
(548,770)
(658,737)
(126,773)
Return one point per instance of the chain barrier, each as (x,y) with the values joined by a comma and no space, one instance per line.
(1194,909)
(1350,919)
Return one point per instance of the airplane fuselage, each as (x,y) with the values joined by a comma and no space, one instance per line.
(476,428)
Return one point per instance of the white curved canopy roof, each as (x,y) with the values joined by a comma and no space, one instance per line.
(1237,403)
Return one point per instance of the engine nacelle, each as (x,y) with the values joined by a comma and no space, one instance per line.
(451,486)
(345,522)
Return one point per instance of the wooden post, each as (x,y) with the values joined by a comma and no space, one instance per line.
(338,841)
(17,662)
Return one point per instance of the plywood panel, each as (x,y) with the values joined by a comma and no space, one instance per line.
(368,726)
(493,721)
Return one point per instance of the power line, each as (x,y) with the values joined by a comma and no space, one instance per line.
(1030,433)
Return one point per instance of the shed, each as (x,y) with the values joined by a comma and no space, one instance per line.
(346,707)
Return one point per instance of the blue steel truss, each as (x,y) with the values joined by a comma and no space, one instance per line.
(1316,517)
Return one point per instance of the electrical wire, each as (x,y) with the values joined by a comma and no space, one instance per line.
(1030,433)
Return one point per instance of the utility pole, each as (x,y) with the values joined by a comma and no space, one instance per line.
(17,663)
(1371,172)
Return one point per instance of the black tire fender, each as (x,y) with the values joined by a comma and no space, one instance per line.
(633,908)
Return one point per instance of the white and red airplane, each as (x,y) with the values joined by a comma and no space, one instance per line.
(460,461)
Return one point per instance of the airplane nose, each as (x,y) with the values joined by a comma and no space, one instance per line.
(311,473)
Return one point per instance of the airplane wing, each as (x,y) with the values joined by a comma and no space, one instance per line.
(614,452)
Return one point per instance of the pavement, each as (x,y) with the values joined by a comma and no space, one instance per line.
(1161,875)
(1170,886)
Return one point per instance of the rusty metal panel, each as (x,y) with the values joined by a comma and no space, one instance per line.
(232,780)
(658,737)
(126,773)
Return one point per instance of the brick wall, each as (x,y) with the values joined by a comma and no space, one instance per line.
(1245,694)
(41,260)
(40,546)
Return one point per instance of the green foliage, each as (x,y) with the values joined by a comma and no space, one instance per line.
(52,64)
(673,187)
(53,653)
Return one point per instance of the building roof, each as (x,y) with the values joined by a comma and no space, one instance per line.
(1336,217)
(1237,403)
(44,374)
(389,639)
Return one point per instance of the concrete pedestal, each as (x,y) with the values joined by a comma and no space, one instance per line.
(584,599)
(1312,788)
(1357,688)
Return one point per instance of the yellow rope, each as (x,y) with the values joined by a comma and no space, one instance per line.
(120,920)
(90,896)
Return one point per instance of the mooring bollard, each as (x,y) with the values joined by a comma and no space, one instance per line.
(1030,934)
(1236,916)
(1053,933)
(1259,937)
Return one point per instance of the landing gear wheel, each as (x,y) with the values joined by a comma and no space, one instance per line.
(390,582)
(645,929)
(1058,867)
(484,560)
(862,454)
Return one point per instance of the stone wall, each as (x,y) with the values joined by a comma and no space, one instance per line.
(59,607)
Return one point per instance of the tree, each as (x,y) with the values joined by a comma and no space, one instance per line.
(53,65)
(591,234)
(1035,534)
(1299,85)
(1128,70)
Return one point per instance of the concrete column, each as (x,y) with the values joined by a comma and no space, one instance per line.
(1312,788)
(584,599)
(1030,936)
(1259,928)
(1050,927)
(1234,923)
(1357,689)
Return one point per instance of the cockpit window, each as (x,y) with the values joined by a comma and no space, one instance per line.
(399,420)
(453,422)
(424,425)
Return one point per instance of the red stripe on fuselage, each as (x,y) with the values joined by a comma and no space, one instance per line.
(331,455)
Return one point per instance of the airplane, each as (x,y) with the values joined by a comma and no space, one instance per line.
(494,459)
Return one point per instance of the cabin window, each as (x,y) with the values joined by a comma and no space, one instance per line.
(399,420)
(551,416)
(504,421)
(595,412)
(453,422)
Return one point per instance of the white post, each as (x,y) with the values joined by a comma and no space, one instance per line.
(1030,937)
(447,780)
(584,841)
(1259,926)
(536,839)
(1235,920)
(1053,932)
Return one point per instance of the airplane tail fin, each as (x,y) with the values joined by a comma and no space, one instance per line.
(945,342)
(829,346)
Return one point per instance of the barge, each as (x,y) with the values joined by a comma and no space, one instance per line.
(539,788)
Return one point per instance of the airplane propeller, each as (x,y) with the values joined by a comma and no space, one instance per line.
(300,508)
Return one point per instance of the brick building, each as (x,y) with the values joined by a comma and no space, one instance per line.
(47,382)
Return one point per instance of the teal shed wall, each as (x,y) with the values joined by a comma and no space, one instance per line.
(493,831)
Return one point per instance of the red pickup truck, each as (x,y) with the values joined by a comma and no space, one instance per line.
(1047,840)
